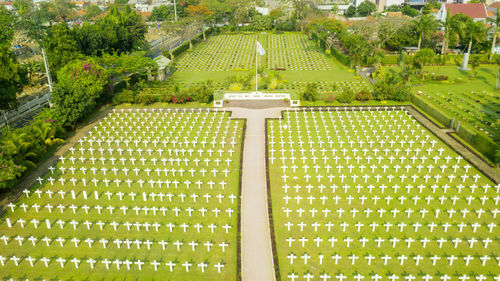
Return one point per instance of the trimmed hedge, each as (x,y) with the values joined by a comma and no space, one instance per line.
(431,110)
(345,60)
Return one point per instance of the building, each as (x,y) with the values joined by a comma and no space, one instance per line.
(476,11)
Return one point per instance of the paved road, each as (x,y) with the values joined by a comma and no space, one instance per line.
(256,251)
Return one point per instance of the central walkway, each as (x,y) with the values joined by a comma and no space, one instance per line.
(256,251)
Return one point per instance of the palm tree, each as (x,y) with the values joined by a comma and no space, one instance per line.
(425,25)
(475,31)
(495,22)
(46,133)
(23,151)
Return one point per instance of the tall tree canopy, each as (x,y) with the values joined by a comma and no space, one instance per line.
(12,75)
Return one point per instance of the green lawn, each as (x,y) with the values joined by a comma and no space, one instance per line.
(362,186)
(201,197)
(472,101)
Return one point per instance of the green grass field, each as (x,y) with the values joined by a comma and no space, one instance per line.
(373,195)
(473,102)
(165,184)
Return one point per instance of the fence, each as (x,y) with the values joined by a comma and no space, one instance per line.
(25,109)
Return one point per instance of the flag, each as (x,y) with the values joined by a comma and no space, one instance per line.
(260,49)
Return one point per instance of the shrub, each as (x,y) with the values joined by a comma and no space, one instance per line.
(125,96)
(330,98)
(310,92)
(364,95)
(9,171)
(347,96)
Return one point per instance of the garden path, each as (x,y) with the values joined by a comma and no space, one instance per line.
(256,251)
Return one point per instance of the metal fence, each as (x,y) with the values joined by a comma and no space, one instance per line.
(25,109)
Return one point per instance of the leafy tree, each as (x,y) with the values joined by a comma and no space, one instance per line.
(205,92)
(92,12)
(394,8)
(162,13)
(121,67)
(423,57)
(409,11)
(392,87)
(80,84)
(63,9)
(310,92)
(260,23)
(366,8)
(350,12)
(12,75)
(61,47)
(9,171)
(425,25)
(200,14)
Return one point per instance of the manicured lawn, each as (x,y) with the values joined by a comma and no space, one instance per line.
(374,195)
(474,102)
(141,189)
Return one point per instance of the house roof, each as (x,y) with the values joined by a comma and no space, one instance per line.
(494,5)
(473,10)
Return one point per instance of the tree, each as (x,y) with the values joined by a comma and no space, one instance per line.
(409,11)
(366,8)
(475,61)
(200,14)
(12,75)
(496,58)
(261,23)
(475,31)
(310,92)
(423,57)
(350,12)
(495,22)
(92,12)
(63,9)
(121,67)
(425,26)
(80,84)
(162,13)
(61,46)
(377,31)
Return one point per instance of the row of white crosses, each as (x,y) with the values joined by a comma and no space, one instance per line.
(110,264)
(311,227)
(71,194)
(322,158)
(308,276)
(119,226)
(96,210)
(399,189)
(125,243)
(394,242)
(408,260)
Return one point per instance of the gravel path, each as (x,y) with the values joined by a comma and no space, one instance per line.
(256,251)
(29,180)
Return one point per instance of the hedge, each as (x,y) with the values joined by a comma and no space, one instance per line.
(345,60)
(431,110)
(450,58)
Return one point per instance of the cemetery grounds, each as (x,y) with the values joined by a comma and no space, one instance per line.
(473,102)
(146,195)
(373,195)
(292,54)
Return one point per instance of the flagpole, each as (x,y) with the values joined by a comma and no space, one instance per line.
(256,68)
